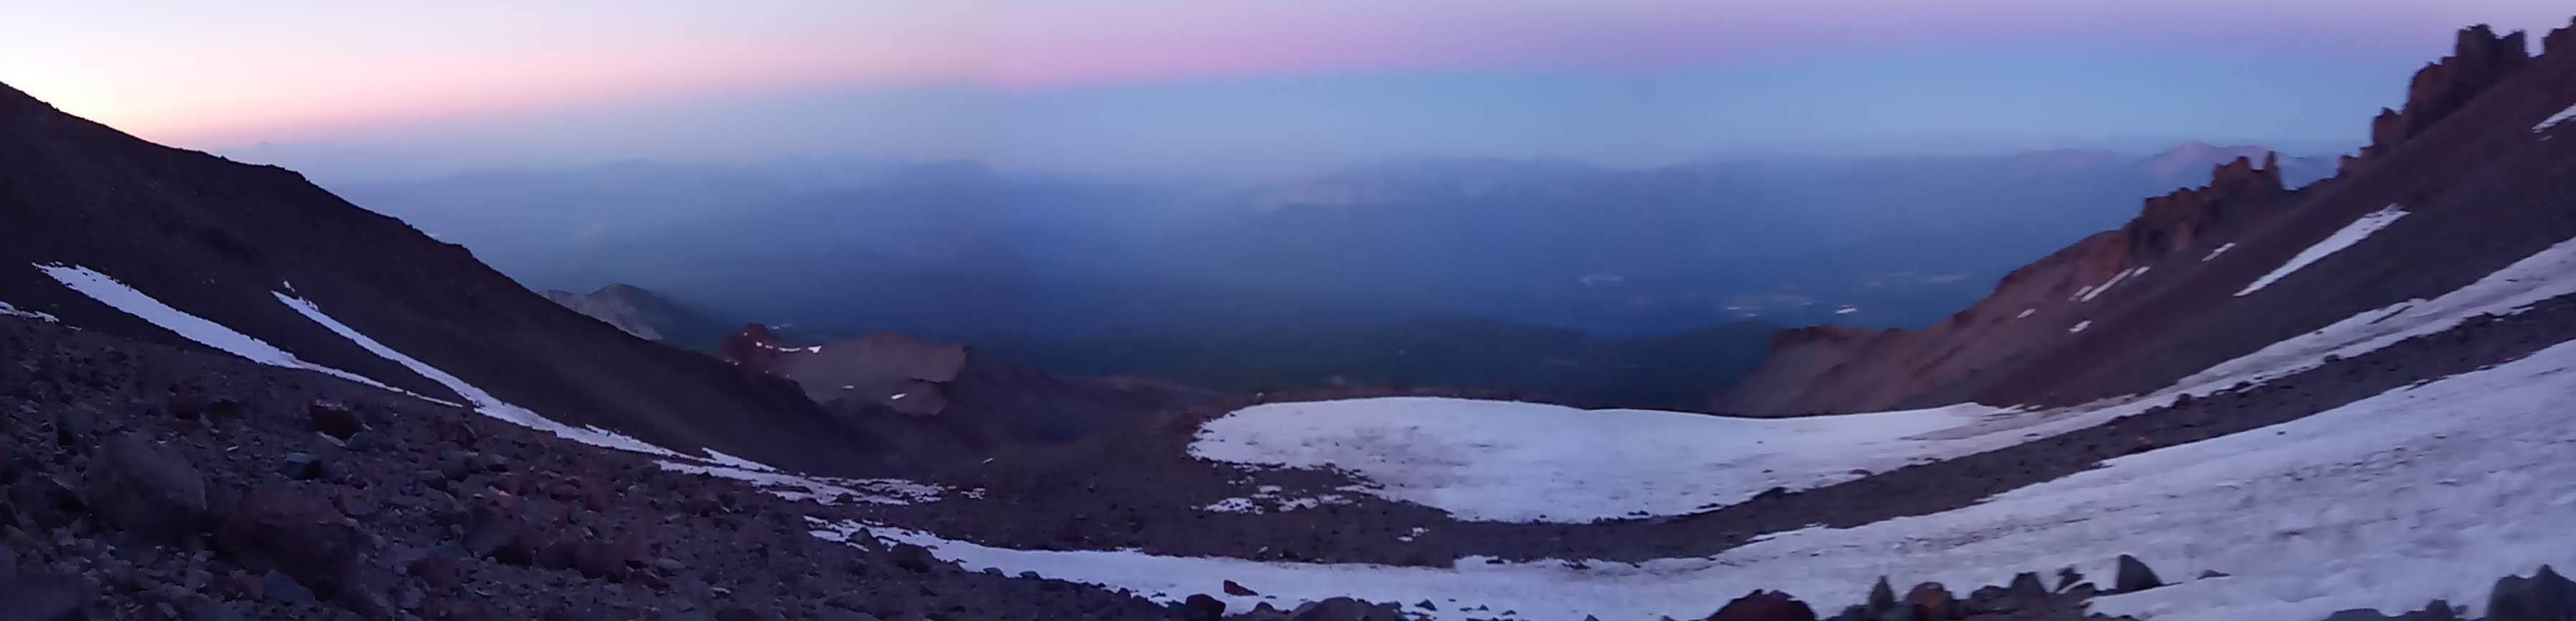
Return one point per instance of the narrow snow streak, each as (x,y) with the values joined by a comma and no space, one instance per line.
(2546,274)
(2025,313)
(737,462)
(2106,285)
(108,290)
(6,309)
(2418,493)
(826,491)
(483,402)
(2561,117)
(2214,252)
(2080,326)
(2342,238)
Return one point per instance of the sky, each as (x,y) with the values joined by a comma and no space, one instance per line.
(1193,86)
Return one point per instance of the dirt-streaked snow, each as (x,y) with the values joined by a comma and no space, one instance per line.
(2430,491)
(822,490)
(2342,238)
(1505,461)
(736,462)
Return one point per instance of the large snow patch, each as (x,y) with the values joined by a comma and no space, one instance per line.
(1506,461)
(2342,238)
(2425,492)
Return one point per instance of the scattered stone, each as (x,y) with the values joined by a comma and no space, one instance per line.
(42,597)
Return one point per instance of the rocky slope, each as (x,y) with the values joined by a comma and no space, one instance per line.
(2176,290)
(647,315)
(948,400)
(226,252)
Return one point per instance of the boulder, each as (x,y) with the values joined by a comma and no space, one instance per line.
(298,534)
(2545,596)
(334,420)
(2134,576)
(1932,600)
(1200,607)
(1764,606)
(147,489)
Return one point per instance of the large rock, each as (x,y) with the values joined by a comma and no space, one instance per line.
(299,534)
(2545,596)
(147,489)
(2134,576)
(1764,606)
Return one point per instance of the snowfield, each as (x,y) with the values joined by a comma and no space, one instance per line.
(1528,462)
(2424,492)
(2342,238)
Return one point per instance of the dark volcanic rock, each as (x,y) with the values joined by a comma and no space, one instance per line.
(146,489)
(298,534)
(334,420)
(2134,576)
(1764,606)
(2545,596)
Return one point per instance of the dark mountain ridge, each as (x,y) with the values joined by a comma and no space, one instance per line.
(224,241)
(2176,285)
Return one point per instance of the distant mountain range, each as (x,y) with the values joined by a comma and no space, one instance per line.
(961,252)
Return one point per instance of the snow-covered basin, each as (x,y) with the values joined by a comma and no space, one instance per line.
(1501,461)
(1507,461)
(2424,492)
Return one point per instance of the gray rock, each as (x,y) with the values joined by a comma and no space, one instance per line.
(43,597)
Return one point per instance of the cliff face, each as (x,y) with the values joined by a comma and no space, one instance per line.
(2161,289)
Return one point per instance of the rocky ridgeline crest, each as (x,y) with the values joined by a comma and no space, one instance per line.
(2478,61)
